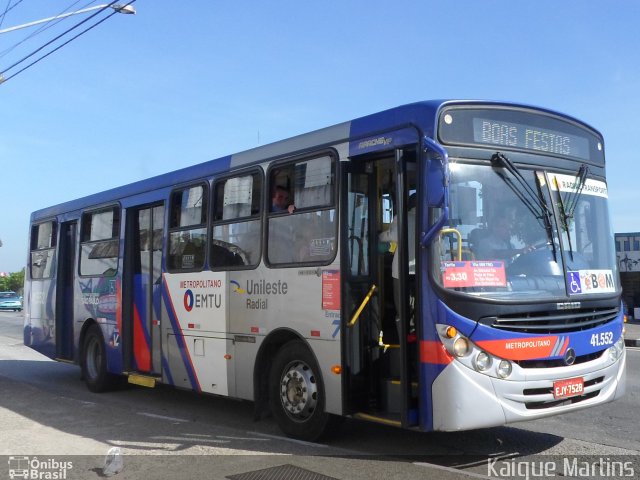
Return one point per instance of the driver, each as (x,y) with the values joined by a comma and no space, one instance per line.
(497,245)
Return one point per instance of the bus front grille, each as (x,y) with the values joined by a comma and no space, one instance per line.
(553,322)
(558,362)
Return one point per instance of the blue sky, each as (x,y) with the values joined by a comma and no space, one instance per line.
(170,87)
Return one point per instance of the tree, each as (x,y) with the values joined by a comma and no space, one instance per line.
(13,281)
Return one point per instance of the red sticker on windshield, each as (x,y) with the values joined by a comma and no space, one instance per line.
(474,274)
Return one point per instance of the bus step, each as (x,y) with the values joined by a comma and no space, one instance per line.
(392,394)
(64,360)
(377,419)
(142,380)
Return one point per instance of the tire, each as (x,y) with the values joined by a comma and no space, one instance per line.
(94,362)
(296,392)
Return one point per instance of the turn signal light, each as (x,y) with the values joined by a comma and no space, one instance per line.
(337,369)
(451,332)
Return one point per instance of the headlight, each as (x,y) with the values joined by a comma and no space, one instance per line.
(482,362)
(504,368)
(616,351)
(460,347)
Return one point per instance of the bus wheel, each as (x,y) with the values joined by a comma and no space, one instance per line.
(296,392)
(94,362)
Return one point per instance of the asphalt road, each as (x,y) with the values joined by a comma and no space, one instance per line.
(46,411)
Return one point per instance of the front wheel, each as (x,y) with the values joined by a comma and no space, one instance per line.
(296,392)
(94,362)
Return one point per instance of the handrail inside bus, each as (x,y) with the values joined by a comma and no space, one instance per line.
(356,315)
(430,144)
(457,233)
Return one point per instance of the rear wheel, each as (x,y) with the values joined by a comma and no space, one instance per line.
(296,392)
(94,362)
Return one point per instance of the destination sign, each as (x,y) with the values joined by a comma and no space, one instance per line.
(519,129)
(529,138)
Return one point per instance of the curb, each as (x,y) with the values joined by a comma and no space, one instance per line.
(632,342)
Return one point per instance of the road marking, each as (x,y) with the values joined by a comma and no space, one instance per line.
(184,439)
(163,417)
(243,438)
(450,469)
(287,439)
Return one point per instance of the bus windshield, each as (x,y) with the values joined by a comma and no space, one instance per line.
(525,234)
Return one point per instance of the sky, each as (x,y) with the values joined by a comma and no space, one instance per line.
(180,83)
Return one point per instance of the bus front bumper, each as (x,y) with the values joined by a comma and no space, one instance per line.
(465,399)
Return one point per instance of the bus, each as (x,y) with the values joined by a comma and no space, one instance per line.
(498,300)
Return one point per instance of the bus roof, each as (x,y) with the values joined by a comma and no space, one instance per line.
(420,115)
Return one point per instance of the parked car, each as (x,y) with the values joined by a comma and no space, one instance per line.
(10,301)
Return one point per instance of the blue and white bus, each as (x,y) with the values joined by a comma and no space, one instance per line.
(497,300)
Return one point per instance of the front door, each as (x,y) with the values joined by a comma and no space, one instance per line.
(142,289)
(378,303)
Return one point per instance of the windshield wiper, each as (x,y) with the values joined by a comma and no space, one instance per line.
(574,196)
(533,201)
(564,216)
(568,205)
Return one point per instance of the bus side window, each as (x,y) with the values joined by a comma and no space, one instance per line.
(308,235)
(99,245)
(235,239)
(188,228)
(43,243)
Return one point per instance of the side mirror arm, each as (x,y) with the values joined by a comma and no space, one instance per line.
(431,145)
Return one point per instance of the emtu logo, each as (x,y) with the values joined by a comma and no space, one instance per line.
(188,300)
(201,300)
(236,287)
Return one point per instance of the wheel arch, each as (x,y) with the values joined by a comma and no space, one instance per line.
(88,323)
(267,351)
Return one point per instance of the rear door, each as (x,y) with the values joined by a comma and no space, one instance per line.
(142,289)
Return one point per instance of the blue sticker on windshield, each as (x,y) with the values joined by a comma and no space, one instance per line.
(573,279)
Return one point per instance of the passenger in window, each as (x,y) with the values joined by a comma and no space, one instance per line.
(280,200)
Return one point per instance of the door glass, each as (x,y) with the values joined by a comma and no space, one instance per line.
(358,225)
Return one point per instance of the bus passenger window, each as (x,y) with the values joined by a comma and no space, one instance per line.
(43,243)
(187,228)
(306,233)
(235,240)
(99,246)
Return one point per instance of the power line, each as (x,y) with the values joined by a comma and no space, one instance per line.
(6,9)
(91,27)
(44,27)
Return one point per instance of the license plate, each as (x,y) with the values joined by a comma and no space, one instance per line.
(568,388)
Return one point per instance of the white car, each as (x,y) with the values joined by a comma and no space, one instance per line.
(10,301)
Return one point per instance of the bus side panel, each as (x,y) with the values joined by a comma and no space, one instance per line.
(264,300)
(39,330)
(200,350)
(99,299)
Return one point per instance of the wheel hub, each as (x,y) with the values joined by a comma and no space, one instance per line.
(298,391)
